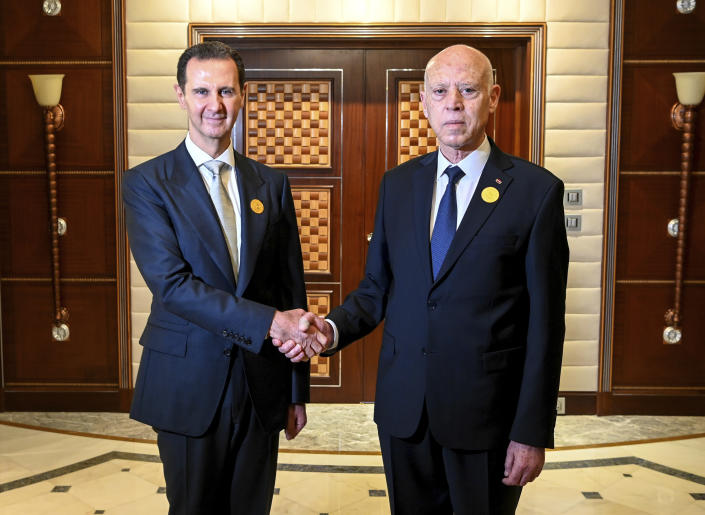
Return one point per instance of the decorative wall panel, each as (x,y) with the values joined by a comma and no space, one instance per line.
(87,248)
(288,123)
(416,137)
(313,211)
(319,303)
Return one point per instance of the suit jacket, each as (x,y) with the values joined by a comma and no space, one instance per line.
(199,318)
(482,344)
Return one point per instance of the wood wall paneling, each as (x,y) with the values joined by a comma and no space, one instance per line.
(87,248)
(641,374)
(654,29)
(663,402)
(642,359)
(85,372)
(31,357)
(24,226)
(85,142)
(648,140)
(645,250)
(81,31)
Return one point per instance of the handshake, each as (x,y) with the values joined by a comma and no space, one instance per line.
(300,335)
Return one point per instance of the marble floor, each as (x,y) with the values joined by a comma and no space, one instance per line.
(88,463)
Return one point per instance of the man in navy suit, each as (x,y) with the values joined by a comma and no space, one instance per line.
(214,235)
(468,269)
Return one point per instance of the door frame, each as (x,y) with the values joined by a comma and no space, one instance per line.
(535,33)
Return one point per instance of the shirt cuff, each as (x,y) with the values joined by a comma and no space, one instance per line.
(334,345)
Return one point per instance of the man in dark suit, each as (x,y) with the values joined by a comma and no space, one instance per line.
(214,235)
(468,268)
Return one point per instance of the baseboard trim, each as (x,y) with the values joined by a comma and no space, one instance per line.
(653,403)
(580,403)
(113,400)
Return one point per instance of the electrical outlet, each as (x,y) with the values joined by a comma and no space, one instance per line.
(560,406)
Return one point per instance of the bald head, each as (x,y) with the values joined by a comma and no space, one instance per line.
(462,57)
(458,98)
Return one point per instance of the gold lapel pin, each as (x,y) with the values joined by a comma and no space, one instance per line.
(257,206)
(490,194)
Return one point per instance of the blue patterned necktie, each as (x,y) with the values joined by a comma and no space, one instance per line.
(446,220)
(224,208)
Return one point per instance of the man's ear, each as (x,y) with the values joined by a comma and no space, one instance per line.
(180,96)
(495,90)
(422,98)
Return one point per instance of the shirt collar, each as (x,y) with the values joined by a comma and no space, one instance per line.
(199,156)
(472,164)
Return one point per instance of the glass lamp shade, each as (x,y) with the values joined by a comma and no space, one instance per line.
(47,88)
(690,87)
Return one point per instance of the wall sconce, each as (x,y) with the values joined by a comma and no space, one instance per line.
(47,91)
(691,89)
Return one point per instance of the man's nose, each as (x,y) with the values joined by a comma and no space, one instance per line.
(215,102)
(454,100)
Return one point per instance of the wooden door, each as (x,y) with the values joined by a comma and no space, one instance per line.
(332,118)
(302,114)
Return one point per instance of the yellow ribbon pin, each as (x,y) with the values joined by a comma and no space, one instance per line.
(257,206)
(490,194)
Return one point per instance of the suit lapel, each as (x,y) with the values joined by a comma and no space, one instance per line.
(191,196)
(423,179)
(493,177)
(253,225)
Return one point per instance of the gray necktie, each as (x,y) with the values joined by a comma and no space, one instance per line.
(224,208)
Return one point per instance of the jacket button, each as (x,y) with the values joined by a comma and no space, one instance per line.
(226,353)
(431,305)
(248,341)
(423,351)
(225,333)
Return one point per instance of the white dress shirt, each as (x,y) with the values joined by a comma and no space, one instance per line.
(229,179)
(472,165)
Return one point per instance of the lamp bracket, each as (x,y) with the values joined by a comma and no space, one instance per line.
(57,112)
(678,116)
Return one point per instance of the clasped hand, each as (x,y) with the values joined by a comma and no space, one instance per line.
(300,335)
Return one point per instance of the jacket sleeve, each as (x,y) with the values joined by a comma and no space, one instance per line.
(365,307)
(155,246)
(546,269)
(292,275)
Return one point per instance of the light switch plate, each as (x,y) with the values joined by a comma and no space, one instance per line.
(573,223)
(573,198)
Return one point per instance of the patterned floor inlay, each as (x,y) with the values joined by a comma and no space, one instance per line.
(345,469)
(592,495)
(44,472)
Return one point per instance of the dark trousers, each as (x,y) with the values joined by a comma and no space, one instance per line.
(230,470)
(425,478)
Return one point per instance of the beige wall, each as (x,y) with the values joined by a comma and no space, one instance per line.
(576,100)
